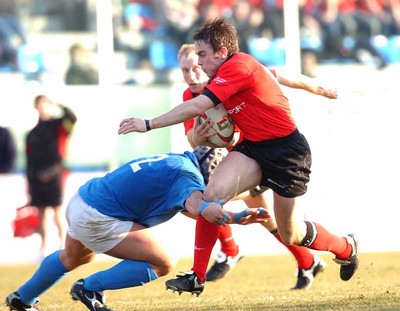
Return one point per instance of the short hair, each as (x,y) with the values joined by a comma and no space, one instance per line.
(37,99)
(185,50)
(218,33)
(74,48)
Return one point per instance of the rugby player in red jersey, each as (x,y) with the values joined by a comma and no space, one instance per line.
(308,264)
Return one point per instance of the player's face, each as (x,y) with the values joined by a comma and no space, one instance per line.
(209,60)
(194,76)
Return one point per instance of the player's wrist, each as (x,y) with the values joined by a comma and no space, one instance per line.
(206,204)
(238,216)
(148,124)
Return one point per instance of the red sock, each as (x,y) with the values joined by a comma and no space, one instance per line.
(303,255)
(205,239)
(228,244)
(326,241)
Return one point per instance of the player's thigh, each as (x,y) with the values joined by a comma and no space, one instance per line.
(140,244)
(236,173)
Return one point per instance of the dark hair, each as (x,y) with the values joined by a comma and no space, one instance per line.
(218,33)
(37,99)
(74,48)
(209,158)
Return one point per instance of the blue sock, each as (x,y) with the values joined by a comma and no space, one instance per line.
(51,270)
(127,273)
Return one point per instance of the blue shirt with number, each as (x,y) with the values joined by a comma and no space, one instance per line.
(148,190)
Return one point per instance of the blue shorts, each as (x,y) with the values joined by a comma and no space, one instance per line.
(285,163)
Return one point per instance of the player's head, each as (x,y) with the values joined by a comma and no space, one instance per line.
(209,158)
(194,76)
(215,42)
(218,34)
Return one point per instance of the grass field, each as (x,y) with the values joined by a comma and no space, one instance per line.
(257,283)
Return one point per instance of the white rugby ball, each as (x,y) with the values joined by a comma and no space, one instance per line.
(223,125)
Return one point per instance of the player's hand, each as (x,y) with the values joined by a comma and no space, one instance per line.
(132,125)
(214,213)
(202,131)
(331,93)
(250,216)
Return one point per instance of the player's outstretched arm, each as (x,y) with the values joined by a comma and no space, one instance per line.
(302,82)
(133,125)
(183,112)
(308,84)
(213,211)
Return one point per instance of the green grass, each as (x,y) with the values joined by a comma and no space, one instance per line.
(257,283)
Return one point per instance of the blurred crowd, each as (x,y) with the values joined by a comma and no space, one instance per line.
(150,32)
(329,29)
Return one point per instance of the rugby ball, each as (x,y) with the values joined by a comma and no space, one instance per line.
(223,125)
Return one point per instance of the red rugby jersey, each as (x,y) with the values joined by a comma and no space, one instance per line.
(253,98)
(187,94)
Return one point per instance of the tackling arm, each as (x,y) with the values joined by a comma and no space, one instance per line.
(213,212)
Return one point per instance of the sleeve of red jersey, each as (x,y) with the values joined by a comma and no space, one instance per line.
(189,124)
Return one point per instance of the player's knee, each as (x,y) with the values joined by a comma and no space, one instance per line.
(71,262)
(289,237)
(215,193)
(164,268)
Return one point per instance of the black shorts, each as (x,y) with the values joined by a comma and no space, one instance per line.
(46,186)
(257,190)
(285,163)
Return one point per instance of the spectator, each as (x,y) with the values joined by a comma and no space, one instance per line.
(179,18)
(273,18)
(347,28)
(391,17)
(80,71)
(12,36)
(247,19)
(367,16)
(74,14)
(7,151)
(46,149)
(139,27)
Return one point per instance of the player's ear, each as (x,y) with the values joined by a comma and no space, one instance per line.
(223,52)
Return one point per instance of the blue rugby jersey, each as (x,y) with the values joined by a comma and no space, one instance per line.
(147,190)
